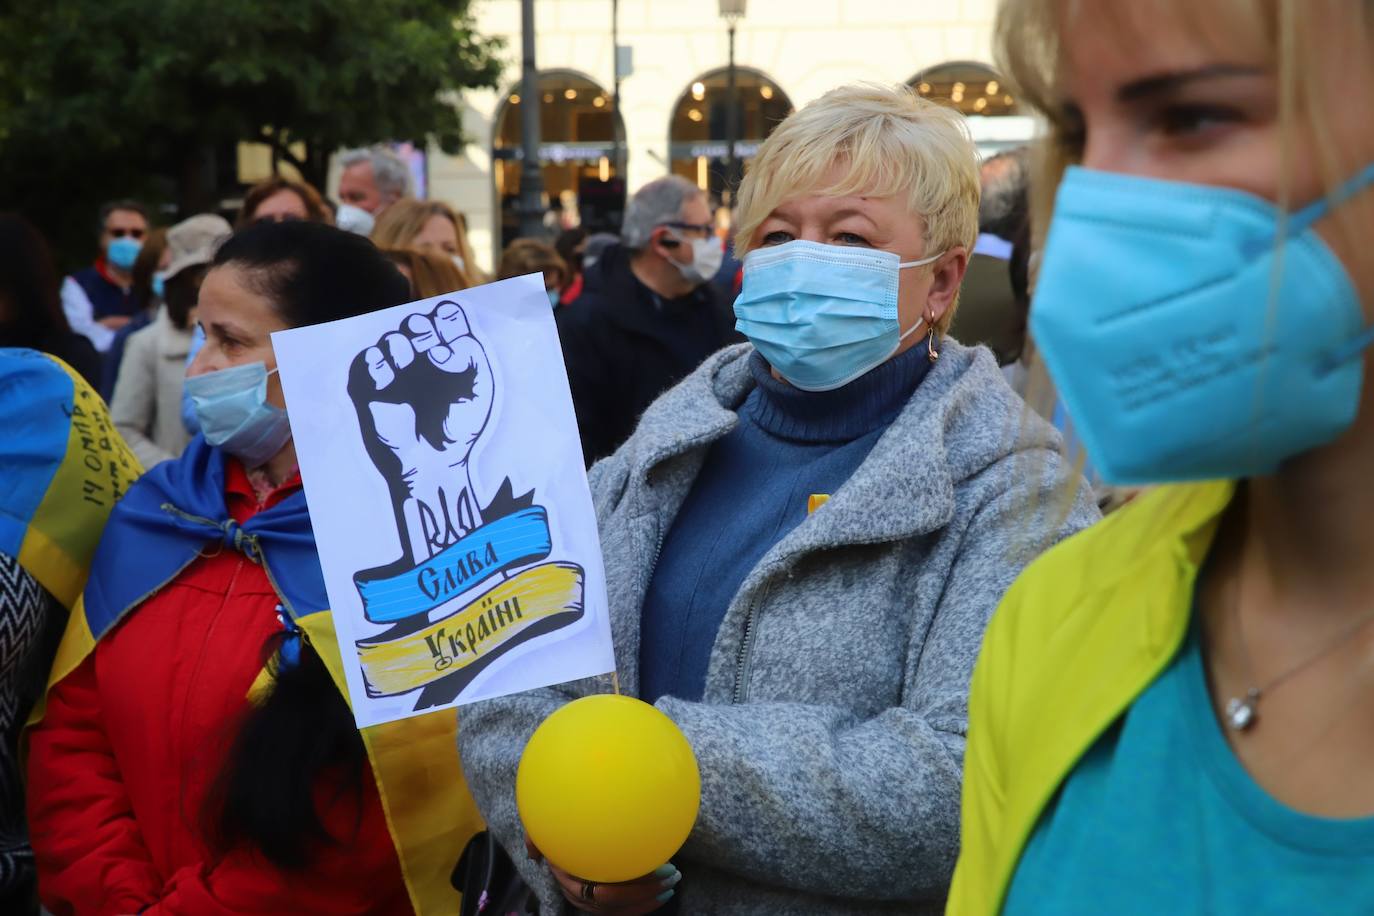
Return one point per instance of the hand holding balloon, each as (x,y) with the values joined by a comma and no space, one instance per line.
(608,789)
(628,898)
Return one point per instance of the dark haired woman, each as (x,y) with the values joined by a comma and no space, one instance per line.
(30,306)
(146,404)
(156,785)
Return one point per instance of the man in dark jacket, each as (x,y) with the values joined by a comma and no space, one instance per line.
(648,314)
(99,300)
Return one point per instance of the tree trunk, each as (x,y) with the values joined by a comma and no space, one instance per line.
(314,167)
(317,166)
(195,180)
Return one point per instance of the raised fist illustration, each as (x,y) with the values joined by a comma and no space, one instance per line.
(423,394)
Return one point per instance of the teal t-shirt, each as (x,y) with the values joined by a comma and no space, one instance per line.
(1160,817)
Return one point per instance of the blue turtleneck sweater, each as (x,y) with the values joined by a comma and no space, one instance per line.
(752,490)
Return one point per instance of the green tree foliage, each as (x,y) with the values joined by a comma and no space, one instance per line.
(104,98)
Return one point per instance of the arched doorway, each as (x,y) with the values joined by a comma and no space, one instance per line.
(577,130)
(697,144)
(973,88)
(980,93)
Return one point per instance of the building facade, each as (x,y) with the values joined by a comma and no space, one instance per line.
(674,113)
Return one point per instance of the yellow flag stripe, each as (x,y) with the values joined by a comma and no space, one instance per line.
(415,761)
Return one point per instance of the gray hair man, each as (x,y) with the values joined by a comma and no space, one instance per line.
(668,227)
(1002,207)
(647,315)
(372,179)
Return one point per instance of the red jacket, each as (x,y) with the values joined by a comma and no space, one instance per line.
(132,740)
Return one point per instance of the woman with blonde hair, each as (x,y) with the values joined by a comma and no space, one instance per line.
(427,225)
(1174,712)
(429,274)
(804,539)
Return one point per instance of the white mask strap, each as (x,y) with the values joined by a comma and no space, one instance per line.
(920,263)
(920,325)
(922,322)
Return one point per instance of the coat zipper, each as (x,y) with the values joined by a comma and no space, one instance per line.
(741,691)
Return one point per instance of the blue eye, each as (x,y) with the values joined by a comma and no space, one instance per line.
(777,237)
(850,238)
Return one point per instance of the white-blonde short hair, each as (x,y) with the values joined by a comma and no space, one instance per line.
(893,143)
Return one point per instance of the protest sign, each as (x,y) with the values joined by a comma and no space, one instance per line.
(444,476)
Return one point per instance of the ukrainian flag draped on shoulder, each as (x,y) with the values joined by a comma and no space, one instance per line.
(64,466)
(164,522)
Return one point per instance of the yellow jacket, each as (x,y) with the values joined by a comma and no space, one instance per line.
(1084,630)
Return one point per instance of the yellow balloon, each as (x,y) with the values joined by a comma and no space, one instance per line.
(608,788)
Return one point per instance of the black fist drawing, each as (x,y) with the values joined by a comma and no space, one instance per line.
(423,395)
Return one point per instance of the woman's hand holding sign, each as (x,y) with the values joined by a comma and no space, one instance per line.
(422,443)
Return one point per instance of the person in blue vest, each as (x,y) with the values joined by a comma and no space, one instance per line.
(99,300)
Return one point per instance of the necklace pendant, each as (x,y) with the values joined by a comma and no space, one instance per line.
(1241,714)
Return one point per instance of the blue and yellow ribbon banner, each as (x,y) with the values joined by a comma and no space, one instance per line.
(535,601)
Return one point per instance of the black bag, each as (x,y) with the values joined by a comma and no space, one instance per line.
(489,883)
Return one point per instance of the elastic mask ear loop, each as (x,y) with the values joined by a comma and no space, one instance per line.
(930,343)
(1304,218)
(930,325)
(1350,349)
(921,263)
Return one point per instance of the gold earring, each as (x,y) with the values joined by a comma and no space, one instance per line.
(930,341)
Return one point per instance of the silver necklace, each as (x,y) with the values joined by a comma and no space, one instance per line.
(1242,712)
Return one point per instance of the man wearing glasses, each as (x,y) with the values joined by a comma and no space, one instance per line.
(648,314)
(98,300)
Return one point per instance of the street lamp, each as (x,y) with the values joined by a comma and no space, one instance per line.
(732,11)
(531,173)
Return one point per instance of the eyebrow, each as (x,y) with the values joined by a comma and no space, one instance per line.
(783,213)
(1163,83)
(846,212)
(228,330)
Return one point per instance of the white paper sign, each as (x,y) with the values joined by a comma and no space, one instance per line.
(442,468)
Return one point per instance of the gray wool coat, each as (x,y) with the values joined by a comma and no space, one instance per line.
(831,734)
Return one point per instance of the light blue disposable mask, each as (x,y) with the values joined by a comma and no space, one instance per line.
(1186,340)
(822,315)
(234,415)
(123,251)
(159,284)
(553,297)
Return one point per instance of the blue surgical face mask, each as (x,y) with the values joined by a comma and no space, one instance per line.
(159,284)
(234,415)
(1187,341)
(123,251)
(822,315)
(553,297)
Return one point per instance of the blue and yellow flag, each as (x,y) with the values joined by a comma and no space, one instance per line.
(177,510)
(64,468)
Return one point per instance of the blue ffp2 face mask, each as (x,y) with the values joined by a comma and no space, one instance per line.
(234,415)
(1187,341)
(822,315)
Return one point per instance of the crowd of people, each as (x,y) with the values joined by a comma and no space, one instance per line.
(850,467)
